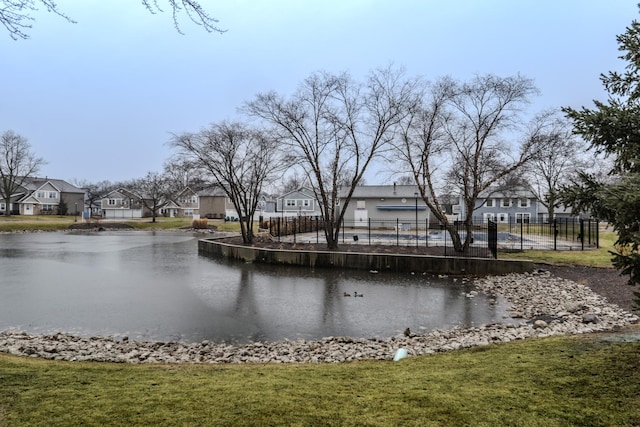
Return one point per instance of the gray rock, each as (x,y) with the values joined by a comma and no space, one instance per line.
(590,318)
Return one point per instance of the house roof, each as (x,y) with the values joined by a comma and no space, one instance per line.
(63,186)
(212,192)
(307,192)
(516,192)
(383,191)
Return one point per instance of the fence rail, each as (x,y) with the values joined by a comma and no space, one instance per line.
(488,238)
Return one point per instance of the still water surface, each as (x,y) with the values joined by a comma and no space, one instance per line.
(155,286)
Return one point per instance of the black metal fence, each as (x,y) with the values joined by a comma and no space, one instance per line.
(486,240)
(425,238)
(558,234)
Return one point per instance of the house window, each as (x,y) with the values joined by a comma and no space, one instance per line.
(47,208)
(306,203)
(506,203)
(360,205)
(489,203)
(188,212)
(503,217)
(53,195)
(523,218)
(488,217)
(2,206)
(112,202)
(523,203)
(291,203)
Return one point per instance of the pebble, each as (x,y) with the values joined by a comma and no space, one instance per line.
(566,307)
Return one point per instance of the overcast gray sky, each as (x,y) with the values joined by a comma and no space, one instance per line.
(100,98)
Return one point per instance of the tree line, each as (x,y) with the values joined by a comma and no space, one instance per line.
(467,138)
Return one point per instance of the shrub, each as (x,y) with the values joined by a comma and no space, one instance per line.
(200,223)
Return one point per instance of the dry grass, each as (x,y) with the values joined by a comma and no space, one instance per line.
(570,381)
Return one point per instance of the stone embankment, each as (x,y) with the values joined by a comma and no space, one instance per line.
(545,305)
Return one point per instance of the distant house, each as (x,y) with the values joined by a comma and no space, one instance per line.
(45,196)
(515,205)
(385,203)
(301,202)
(214,203)
(123,204)
(211,203)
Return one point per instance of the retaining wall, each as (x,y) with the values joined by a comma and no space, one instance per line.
(364,261)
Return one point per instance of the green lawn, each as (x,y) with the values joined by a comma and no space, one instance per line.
(566,381)
(592,257)
(57,222)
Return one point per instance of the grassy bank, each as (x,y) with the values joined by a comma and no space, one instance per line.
(59,223)
(599,257)
(567,381)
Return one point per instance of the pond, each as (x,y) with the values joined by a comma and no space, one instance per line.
(155,286)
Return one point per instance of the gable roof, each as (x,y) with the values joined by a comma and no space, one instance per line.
(383,191)
(515,192)
(35,183)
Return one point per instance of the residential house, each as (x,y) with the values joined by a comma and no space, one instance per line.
(122,204)
(42,196)
(396,205)
(515,205)
(301,202)
(214,203)
(211,203)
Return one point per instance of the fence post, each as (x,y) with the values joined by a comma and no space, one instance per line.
(521,234)
(369,229)
(278,229)
(582,233)
(492,238)
(426,232)
(294,229)
(555,234)
(397,232)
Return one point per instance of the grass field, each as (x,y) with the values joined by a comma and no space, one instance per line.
(600,257)
(567,381)
(56,222)
(561,381)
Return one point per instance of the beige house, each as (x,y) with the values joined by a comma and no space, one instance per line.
(209,203)
(122,204)
(45,196)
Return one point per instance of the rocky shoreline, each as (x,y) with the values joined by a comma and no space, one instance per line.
(545,305)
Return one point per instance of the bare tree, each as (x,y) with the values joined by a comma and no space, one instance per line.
(240,159)
(16,15)
(154,192)
(94,192)
(558,164)
(456,141)
(293,182)
(17,163)
(185,173)
(335,127)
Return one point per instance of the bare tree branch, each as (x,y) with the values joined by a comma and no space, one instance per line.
(17,163)
(17,15)
(241,160)
(335,127)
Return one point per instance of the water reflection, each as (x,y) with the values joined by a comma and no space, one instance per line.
(154,285)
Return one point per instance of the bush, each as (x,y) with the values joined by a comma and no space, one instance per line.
(200,223)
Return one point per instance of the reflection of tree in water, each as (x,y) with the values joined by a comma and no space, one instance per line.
(333,308)
(246,305)
(328,302)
